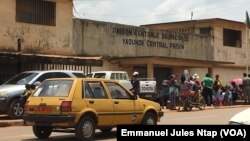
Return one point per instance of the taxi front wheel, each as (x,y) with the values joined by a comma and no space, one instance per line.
(42,132)
(85,130)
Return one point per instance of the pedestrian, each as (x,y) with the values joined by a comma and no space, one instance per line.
(246,88)
(191,83)
(164,93)
(173,91)
(29,89)
(197,82)
(135,83)
(216,87)
(207,84)
(226,96)
(234,90)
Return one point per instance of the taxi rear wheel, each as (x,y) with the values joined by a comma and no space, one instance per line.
(85,130)
(42,132)
(149,119)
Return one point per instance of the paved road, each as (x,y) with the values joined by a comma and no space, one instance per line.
(196,117)
(218,116)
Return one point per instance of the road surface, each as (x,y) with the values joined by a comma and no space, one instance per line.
(218,116)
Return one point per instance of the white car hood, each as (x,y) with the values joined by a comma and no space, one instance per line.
(242,117)
(10,88)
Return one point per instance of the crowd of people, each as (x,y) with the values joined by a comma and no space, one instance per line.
(214,92)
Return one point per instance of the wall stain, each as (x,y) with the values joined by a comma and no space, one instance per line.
(44,41)
(17,32)
(36,39)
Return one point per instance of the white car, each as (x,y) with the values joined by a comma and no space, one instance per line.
(120,76)
(11,91)
(241,118)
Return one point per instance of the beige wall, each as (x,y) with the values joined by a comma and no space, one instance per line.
(99,38)
(226,75)
(231,54)
(220,52)
(37,38)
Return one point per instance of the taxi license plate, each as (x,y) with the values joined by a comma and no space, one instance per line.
(43,109)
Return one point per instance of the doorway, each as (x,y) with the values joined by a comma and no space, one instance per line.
(160,74)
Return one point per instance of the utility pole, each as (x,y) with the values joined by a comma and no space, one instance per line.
(191,15)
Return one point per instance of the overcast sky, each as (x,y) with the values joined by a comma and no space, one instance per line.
(139,12)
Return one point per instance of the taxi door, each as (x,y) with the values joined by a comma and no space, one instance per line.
(127,110)
(97,99)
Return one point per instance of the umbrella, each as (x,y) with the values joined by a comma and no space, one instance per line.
(238,81)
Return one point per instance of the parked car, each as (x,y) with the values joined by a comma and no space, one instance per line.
(83,105)
(120,76)
(241,118)
(11,91)
(147,88)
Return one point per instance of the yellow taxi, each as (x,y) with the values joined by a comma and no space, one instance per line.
(82,105)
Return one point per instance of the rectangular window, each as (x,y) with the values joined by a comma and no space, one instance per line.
(117,92)
(54,88)
(94,90)
(205,31)
(231,38)
(36,12)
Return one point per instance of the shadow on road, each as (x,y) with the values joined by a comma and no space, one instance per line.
(71,137)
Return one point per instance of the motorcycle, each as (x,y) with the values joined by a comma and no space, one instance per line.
(188,101)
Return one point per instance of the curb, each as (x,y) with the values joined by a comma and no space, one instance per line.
(20,122)
(7,123)
(207,108)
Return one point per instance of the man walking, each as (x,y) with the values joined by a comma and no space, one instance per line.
(207,84)
(246,88)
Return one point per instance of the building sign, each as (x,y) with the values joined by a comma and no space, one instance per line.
(141,37)
(116,40)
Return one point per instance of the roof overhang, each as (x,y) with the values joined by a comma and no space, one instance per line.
(55,59)
(168,61)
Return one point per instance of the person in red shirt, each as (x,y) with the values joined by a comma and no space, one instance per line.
(197,81)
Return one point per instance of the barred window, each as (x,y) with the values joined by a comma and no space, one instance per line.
(205,30)
(36,12)
(231,38)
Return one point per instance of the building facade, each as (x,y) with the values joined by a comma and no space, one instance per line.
(42,35)
(38,35)
(38,26)
(214,46)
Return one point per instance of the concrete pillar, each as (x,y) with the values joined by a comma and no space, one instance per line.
(150,70)
(211,72)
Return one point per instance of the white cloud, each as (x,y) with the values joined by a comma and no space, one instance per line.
(138,12)
(95,9)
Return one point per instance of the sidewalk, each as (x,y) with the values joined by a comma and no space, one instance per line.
(207,108)
(5,121)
